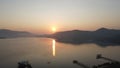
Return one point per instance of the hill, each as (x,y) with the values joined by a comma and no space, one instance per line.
(5,33)
(102,35)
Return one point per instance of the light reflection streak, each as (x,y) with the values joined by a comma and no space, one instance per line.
(53,47)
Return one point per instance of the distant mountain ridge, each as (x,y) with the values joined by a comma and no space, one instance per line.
(100,36)
(6,33)
(103,35)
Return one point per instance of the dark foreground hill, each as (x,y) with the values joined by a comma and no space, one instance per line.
(102,35)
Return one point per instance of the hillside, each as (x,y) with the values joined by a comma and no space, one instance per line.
(5,33)
(103,35)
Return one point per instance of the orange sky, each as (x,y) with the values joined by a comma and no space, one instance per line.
(39,16)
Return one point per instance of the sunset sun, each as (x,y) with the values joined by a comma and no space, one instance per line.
(53,29)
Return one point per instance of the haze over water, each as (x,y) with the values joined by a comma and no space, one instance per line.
(46,53)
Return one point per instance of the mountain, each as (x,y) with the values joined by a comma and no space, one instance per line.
(102,35)
(5,33)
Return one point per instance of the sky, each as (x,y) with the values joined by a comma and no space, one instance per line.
(39,16)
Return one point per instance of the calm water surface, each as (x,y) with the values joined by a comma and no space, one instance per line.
(40,51)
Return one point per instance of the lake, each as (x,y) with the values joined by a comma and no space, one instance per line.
(47,53)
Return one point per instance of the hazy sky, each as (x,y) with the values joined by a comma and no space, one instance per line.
(39,16)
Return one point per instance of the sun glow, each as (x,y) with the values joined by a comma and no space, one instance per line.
(54,29)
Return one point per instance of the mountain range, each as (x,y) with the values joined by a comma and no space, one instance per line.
(6,33)
(102,35)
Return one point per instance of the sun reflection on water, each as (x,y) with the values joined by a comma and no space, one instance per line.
(53,47)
